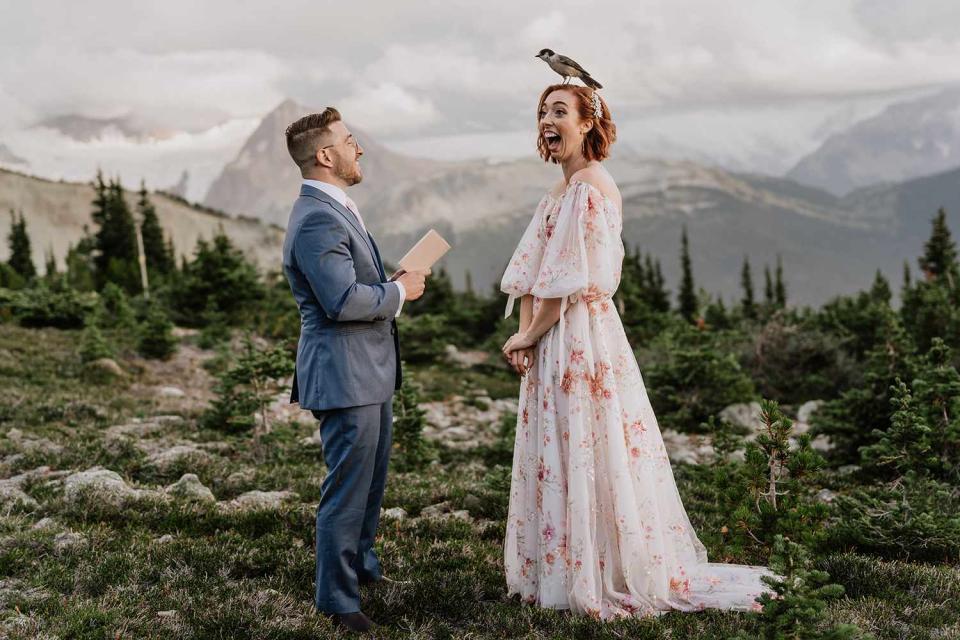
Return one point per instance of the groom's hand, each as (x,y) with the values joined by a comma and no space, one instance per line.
(414,283)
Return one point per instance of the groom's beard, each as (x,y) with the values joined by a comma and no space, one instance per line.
(348,171)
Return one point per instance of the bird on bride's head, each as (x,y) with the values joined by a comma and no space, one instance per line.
(324,149)
(573,121)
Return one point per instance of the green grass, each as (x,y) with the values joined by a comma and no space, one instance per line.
(250,574)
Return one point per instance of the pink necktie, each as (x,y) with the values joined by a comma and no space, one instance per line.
(353,207)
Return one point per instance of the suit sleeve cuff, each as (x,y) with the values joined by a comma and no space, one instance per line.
(403,296)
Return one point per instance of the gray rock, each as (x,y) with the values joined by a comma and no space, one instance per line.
(240,479)
(163,460)
(443,511)
(259,500)
(806,410)
(687,448)
(171,392)
(11,495)
(312,440)
(45,523)
(394,513)
(435,510)
(68,539)
(165,538)
(822,443)
(189,487)
(464,359)
(472,502)
(825,495)
(106,367)
(744,415)
(103,483)
(138,428)
(33,444)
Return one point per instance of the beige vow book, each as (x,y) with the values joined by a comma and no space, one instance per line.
(430,248)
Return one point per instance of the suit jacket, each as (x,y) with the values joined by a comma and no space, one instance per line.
(349,350)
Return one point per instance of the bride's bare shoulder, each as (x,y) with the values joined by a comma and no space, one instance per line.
(597,176)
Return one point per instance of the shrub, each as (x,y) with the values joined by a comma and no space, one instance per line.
(424,337)
(799,609)
(410,450)
(156,339)
(692,379)
(247,387)
(52,305)
(93,346)
(914,518)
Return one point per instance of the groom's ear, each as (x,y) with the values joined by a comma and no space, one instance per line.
(323,158)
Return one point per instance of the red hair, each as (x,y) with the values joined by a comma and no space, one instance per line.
(597,141)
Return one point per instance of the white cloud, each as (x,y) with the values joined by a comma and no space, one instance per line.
(387,108)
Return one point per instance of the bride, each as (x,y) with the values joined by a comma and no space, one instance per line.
(595,521)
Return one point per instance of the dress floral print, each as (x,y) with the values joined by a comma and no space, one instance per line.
(595,522)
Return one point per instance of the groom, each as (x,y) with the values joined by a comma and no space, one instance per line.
(348,356)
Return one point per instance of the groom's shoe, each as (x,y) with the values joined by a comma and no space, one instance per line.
(354,621)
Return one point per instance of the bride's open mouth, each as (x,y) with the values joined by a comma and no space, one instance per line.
(553,141)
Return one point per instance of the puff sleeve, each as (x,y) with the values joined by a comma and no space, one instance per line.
(584,253)
(521,271)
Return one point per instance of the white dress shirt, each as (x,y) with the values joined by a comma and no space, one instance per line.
(340,196)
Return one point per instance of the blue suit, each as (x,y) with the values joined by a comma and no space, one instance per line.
(348,366)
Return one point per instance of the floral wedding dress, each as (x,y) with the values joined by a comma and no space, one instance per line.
(595,523)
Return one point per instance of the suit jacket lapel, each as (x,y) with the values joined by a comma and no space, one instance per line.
(307,190)
(383,274)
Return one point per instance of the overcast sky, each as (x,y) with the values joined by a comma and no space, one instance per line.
(414,69)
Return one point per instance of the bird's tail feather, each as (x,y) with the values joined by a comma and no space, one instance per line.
(590,82)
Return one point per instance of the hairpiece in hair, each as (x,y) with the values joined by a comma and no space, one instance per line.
(597,107)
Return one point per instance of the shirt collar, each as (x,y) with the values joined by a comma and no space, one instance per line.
(331,190)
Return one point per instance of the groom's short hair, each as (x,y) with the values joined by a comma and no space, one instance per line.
(303,136)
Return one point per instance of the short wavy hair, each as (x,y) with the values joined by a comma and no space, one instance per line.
(303,136)
(596,144)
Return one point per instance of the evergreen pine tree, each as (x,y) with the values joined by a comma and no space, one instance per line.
(116,241)
(660,298)
(156,335)
(19,243)
(906,275)
(797,611)
(716,315)
(780,291)
(880,290)
(939,258)
(852,420)
(93,346)
(687,298)
(80,265)
(779,480)
(218,279)
(50,266)
(438,298)
(931,308)
(411,451)
(746,282)
(247,387)
(155,250)
(924,432)
(769,298)
(115,310)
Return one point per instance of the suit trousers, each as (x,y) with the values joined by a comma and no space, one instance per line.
(356,449)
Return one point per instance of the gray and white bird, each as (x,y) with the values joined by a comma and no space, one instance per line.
(567,68)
